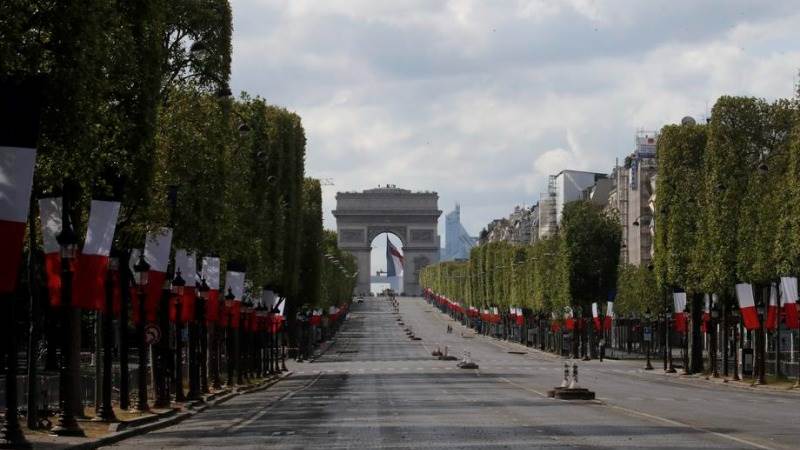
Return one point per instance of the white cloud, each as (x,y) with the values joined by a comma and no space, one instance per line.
(480,101)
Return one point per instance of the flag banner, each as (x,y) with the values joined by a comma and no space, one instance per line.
(520,317)
(282,305)
(187,263)
(236,313)
(596,317)
(92,267)
(394,260)
(268,298)
(50,218)
(679,315)
(747,306)
(316,318)
(706,313)
(772,308)
(211,274)
(569,320)
(609,315)
(234,282)
(16,181)
(789,300)
(156,253)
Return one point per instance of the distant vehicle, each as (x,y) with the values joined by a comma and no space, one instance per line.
(360,299)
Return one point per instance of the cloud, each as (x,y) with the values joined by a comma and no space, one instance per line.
(480,101)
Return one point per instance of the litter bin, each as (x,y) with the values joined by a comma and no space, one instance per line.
(747,362)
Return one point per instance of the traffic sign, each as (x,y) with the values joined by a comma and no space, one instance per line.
(648,334)
(152,334)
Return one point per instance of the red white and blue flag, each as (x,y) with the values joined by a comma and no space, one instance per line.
(394,260)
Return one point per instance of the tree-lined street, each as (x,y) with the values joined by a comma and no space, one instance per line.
(375,387)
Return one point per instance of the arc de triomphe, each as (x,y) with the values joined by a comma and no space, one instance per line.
(411,216)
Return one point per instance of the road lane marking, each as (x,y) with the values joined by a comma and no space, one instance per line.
(526,388)
(686,425)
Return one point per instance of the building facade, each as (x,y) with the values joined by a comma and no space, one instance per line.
(632,198)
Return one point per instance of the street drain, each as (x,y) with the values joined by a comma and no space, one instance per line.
(517,353)
(347,351)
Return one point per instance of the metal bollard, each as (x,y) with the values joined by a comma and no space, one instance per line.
(565,382)
(574,383)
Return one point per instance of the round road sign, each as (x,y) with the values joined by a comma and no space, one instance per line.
(152,334)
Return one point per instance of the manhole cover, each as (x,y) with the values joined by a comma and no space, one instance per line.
(517,353)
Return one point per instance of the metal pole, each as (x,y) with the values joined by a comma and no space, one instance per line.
(141,401)
(229,351)
(725,343)
(33,320)
(179,397)
(124,281)
(237,353)
(11,435)
(66,425)
(106,412)
(213,357)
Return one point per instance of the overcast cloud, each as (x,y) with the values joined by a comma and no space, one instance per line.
(481,100)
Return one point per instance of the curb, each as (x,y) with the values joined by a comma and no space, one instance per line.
(726,383)
(173,417)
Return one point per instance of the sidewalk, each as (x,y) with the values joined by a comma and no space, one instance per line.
(99,434)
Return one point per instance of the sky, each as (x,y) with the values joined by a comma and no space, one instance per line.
(481,100)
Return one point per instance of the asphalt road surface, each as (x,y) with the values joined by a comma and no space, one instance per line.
(376,388)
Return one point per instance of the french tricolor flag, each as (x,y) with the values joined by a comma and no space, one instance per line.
(234,281)
(609,315)
(772,308)
(92,267)
(789,297)
(679,315)
(50,218)
(747,306)
(16,181)
(394,260)
(211,275)
(156,253)
(596,317)
(185,262)
(569,320)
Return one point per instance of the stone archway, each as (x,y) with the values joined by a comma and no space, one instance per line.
(411,216)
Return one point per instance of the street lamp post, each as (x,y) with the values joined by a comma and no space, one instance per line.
(203,291)
(68,241)
(141,269)
(178,283)
(106,412)
(237,349)
(760,342)
(648,337)
(735,338)
(229,298)
(243,359)
(713,345)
